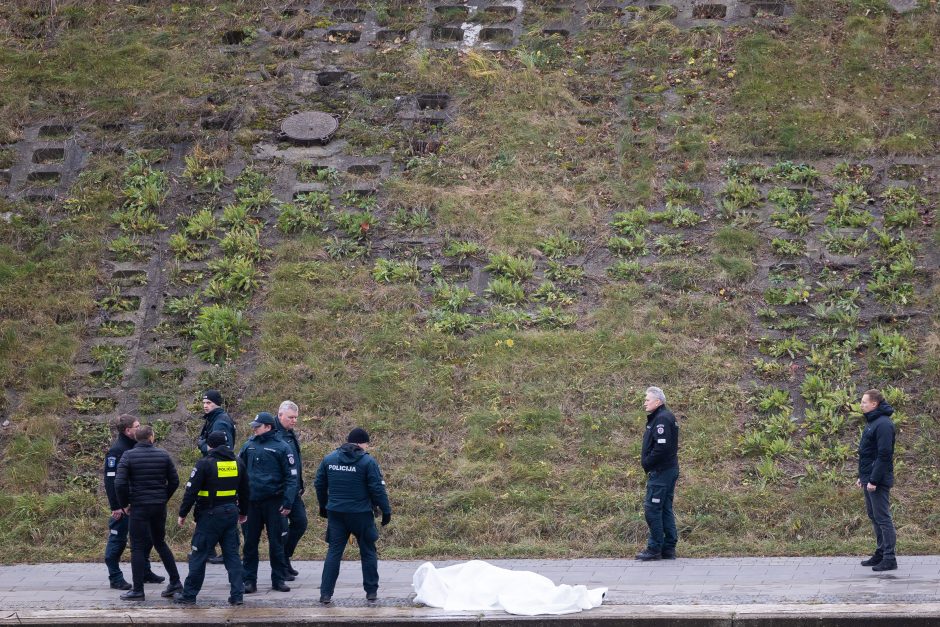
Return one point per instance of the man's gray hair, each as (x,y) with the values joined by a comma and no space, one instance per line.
(291,405)
(657,393)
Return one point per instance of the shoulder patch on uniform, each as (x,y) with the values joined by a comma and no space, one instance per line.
(660,429)
(192,474)
(112,462)
(290,458)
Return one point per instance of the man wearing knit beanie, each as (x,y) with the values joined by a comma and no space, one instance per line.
(349,487)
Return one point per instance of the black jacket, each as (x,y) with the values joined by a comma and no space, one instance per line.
(661,441)
(145,476)
(290,437)
(219,478)
(349,480)
(876,447)
(216,420)
(271,468)
(121,445)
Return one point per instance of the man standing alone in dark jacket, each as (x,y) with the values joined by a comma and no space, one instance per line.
(146,479)
(126,428)
(215,419)
(660,460)
(286,420)
(876,476)
(349,486)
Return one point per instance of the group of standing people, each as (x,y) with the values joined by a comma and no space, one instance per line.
(260,489)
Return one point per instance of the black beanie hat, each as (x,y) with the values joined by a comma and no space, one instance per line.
(216,438)
(214,396)
(358,436)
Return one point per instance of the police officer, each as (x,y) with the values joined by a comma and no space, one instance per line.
(146,479)
(125,426)
(876,477)
(272,475)
(660,459)
(218,486)
(297,520)
(349,487)
(215,419)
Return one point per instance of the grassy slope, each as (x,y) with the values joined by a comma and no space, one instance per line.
(530,447)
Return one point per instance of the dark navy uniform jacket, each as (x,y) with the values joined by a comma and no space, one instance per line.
(219,478)
(271,467)
(661,441)
(290,438)
(349,480)
(876,447)
(111,459)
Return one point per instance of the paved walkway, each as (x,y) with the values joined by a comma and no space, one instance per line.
(677,586)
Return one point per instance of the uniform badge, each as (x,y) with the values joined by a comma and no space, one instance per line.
(290,458)
(112,462)
(192,474)
(660,429)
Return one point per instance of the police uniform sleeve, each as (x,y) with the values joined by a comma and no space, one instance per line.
(244,489)
(193,486)
(223,424)
(661,444)
(172,477)
(110,472)
(321,485)
(376,485)
(122,486)
(289,468)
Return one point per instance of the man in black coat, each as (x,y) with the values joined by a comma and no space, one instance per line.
(218,487)
(215,419)
(660,459)
(146,479)
(125,426)
(286,420)
(876,476)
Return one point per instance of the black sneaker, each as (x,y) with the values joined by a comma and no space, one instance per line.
(250,587)
(280,587)
(179,599)
(874,560)
(172,589)
(289,577)
(372,596)
(121,585)
(153,578)
(885,565)
(648,556)
(326,599)
(216,559)
(235,601)
(133,595)
(291,570)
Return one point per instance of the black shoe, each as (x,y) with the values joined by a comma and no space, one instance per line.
(179,599)
(289,578)
(885,565)
(172,589)
(280,587)
(235,601)
(648,556)
(669,555)
(133,595)
(153,578)
(291,570)
(250,587)
(216,559)
(372,596)
(874,560)
(325,600)
(121,585)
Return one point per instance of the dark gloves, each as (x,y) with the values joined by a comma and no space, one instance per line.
(386,518)
(322,512)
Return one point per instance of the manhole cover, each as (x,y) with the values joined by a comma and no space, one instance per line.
(309,127)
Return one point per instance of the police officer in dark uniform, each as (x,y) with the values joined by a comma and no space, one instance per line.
(218,487)
(660,459)
(349,487)
(215,419)
(286,420)
(125,426)
(272,475)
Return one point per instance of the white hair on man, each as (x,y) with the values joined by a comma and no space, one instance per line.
(288,406)
(657,393)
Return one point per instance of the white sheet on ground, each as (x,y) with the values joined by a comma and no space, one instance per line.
(478,586)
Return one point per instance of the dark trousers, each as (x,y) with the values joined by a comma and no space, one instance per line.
(265,515)
(117,542)
(879,512)
(660,490)
(217,525)
(297,521)
(148,531)
(339,526)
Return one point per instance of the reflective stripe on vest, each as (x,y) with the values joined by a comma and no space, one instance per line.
(218,493)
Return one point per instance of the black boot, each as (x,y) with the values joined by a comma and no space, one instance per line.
(874,560)
(172,589)
(291,570)
(886,564)
(121,585)
(133,595)
(647,555)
